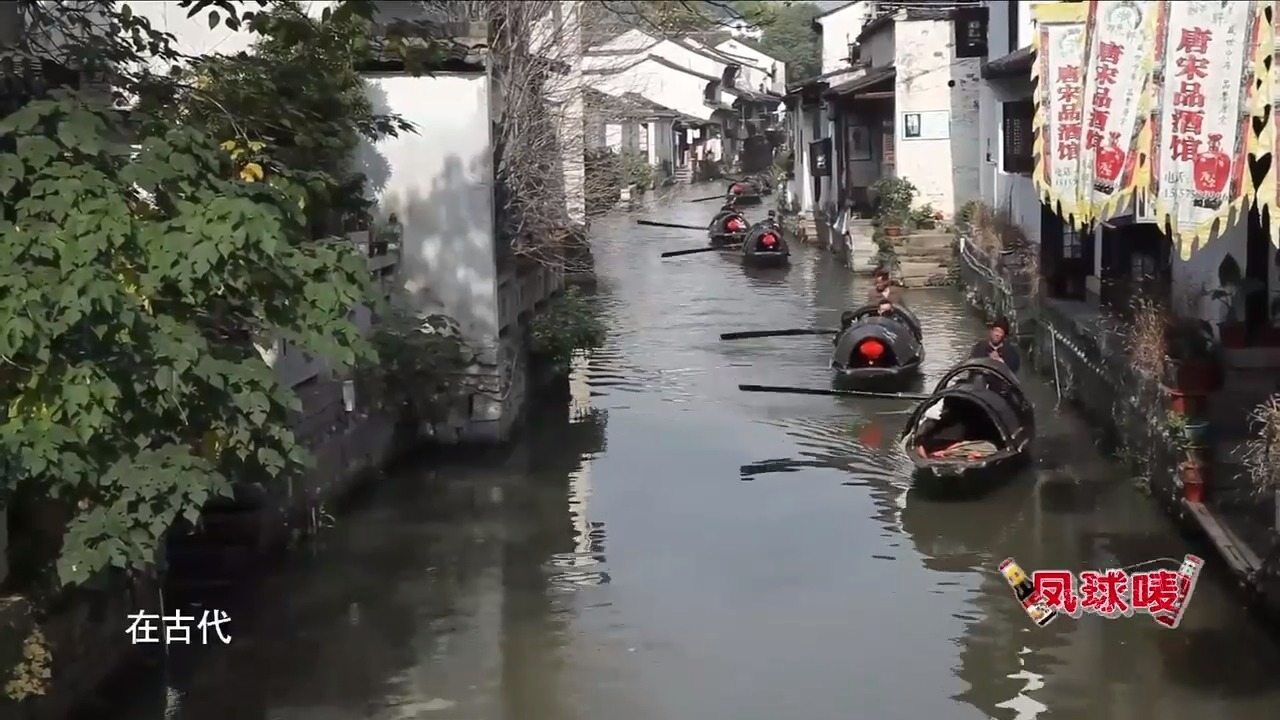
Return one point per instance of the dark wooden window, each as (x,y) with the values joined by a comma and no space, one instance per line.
(1018,140)
(1071,247)
(1013,25)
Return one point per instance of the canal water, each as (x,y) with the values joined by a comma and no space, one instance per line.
(671,548)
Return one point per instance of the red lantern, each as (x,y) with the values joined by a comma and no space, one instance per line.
(769,241)
(735,224)
(871,350)
(738,188)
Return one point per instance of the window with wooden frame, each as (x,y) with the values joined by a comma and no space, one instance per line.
(1071,247)
(1018,141)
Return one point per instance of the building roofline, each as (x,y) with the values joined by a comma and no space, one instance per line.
(599,51)
(865,82)
(620,68)
(747,43)
(876,24)
(681,68)
(1015,64)
(708,53)
(833,11)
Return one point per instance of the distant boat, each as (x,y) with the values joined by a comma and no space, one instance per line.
(764,245)
(728,227)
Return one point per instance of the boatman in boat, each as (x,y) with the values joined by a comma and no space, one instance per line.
(885,289)
(996,346)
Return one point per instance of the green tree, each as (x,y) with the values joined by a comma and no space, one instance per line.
(133,286)
(298,95)
(144,258)
(788,34)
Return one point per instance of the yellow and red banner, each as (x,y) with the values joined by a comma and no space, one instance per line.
(1269,141)
(1120,54)
(1204,106)
(1058,75)
(1150,104)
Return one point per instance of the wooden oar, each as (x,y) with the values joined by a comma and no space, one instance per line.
(747,334)
(671,225)
(674,253)
(713,197)
(824,391)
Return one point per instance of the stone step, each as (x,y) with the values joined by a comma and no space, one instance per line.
(1229,414)
(924,254)
(919,274)
(1253,358)
(924,241)
(1263,381)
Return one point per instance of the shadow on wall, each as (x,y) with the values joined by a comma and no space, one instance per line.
(449,264)
(439,183)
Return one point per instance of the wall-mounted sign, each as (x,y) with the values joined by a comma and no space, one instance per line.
(932,125)
(820,158)
(971,32)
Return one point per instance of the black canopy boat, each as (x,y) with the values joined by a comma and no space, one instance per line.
(763,245)
(976,423)
(728,227)
(748,191)
(874,347)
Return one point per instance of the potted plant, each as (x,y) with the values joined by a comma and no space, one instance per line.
(1262,451)
(1193,359)
(1233,290)
(1189,434)
(894,224)
(1192,473)
(925,217)
(893,203)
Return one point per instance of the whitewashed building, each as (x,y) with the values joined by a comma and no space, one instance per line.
(910,111)
(840,28)
(715,108)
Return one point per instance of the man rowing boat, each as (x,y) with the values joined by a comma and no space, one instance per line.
(997,347)
(885,289)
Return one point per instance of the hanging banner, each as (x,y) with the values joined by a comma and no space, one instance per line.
(1205,101)
(1058,74)
(1269,186)
(1120,54)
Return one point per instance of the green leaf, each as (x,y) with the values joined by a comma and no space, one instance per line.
(10,172)
(36,150)
(80,131)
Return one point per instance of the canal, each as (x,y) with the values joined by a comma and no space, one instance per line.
(670,548)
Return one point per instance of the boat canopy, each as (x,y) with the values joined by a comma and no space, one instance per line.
(989,386)
(900,313)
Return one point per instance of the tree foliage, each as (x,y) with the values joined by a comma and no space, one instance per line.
(133,286)
(787,34)
(298,94)
(146,256)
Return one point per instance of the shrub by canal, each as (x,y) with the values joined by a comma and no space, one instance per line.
(569,324)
